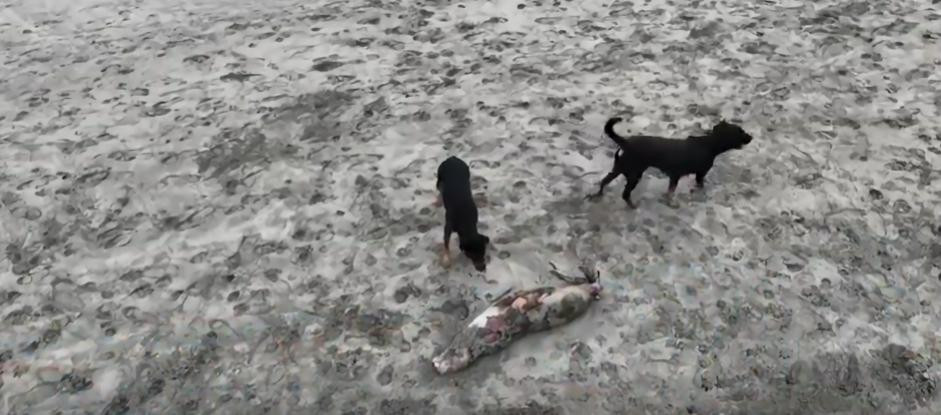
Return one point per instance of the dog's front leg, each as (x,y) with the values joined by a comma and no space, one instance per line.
(438,202)
(446,255)
(626,196)
(633,178)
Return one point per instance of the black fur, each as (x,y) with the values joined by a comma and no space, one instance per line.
(460,211)
(675,158)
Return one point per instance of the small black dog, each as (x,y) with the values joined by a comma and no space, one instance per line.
(675,158)
(454,189)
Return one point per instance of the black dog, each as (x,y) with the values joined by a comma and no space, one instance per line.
(675,158)
(454,189)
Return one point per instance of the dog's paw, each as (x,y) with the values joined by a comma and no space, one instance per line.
(446,261)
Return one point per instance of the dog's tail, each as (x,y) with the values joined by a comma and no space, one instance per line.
(609,130)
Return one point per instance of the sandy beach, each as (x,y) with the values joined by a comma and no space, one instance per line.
(225,206)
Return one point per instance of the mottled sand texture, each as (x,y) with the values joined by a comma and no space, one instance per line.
(225,206)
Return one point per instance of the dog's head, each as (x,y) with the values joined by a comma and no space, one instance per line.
(475,248)
(731,134)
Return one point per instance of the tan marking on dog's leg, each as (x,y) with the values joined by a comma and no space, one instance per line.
(445,257)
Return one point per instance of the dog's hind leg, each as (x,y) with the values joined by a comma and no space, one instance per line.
(608,178)
(700,181)
(674,181)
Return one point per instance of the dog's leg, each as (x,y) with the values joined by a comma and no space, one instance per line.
(438,202)
(632,179)
(674,181)
(446,255)
(668,197)
(608,178)
(700,181)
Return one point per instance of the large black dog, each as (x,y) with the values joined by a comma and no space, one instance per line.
(454,190)
(676,158)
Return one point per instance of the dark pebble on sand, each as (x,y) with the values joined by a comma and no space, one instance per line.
(326,66)
(902,206)
(455,308)
(72,383)
(240,309)
(581,351)
(385,375)
(401,295)
(32,213)
(408,291)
